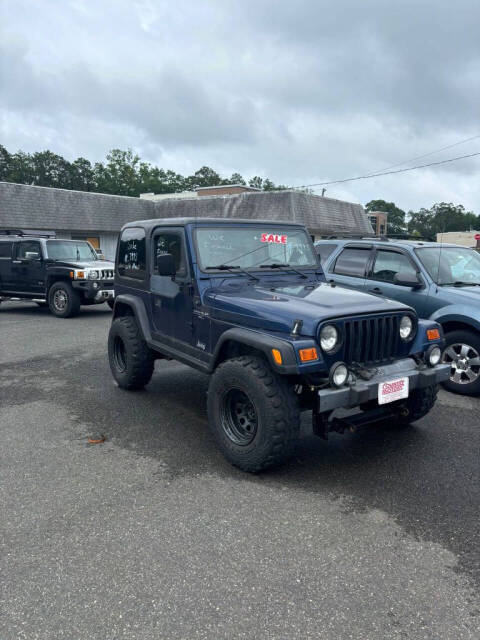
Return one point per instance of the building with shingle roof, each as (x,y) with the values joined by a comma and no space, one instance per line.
(99,217)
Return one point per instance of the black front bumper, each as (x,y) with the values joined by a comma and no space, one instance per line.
(95,290)
(365,390)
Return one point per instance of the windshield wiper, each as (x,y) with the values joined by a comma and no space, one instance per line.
(228,267)
(279,265)
(460,283)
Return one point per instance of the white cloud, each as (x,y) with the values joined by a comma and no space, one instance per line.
(299,92)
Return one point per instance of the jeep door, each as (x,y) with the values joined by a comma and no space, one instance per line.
(387,262)
(171,297)
(350,267)
(28,270)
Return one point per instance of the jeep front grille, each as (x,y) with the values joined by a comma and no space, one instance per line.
(371,340)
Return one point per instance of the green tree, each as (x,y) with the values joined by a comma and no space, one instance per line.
(396,217)
(4,164)
(204,177)
(235,178)
(441,218)
(119,175)
(82,175)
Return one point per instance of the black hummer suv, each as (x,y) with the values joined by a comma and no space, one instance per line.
(248,303)
(61,274)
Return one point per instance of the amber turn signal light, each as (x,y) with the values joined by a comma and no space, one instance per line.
(433,334)
(307,355)
(277,356)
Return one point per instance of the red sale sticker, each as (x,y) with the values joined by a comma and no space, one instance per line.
(274,237)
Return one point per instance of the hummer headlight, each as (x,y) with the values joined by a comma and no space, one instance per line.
(328,337)
(93,274)
(406,327)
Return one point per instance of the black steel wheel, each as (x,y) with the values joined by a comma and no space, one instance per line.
(131,360)
(253,414)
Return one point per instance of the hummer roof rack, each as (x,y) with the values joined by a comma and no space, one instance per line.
(28,233)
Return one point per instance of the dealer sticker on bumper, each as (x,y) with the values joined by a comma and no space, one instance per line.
(392,390)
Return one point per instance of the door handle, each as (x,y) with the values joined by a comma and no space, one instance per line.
(16,262)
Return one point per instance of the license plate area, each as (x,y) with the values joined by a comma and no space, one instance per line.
(392,390)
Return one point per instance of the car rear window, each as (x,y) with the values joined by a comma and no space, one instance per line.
(352,262)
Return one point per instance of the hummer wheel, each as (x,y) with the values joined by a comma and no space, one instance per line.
(131,360)
(63,300)
(253,414)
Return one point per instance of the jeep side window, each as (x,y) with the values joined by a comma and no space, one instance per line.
(131,253)
(389,263)
(29,250)
(170,242)
(352,262)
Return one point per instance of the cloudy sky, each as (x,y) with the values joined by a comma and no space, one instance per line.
(301,92)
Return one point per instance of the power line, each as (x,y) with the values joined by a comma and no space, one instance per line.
(386,173)
(425,155)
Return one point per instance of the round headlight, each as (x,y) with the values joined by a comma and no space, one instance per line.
(338,374)
(406,327)
(93,275)
(328,337)
(434,355)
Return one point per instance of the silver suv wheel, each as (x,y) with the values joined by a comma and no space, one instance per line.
(60,299)
(464,361)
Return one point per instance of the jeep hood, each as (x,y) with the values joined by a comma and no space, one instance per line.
(276,308)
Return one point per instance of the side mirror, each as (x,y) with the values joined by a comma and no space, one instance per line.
(165,264)
(407,280)
(32,255)
(99,253)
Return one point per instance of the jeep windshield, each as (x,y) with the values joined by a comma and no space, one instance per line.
(451,265)
(70,250)
(254,247)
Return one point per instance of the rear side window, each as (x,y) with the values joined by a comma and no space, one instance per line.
(6,249)
(132,254)
(325,250)
(352,262)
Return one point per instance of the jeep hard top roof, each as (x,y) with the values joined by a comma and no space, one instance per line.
(180,222)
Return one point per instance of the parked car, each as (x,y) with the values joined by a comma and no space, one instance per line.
(60,274)
(247,302)
(440,281)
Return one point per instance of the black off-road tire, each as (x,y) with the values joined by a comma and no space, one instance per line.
(420,402)
(276,409)
(72,300)
(111,303)
(131,360)
(472,340)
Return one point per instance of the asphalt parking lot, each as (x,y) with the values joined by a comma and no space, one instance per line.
(154,535)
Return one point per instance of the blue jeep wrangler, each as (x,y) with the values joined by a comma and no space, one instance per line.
(441,282)
(247,302)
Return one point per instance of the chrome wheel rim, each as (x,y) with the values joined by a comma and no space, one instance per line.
(464,361)
(60,299)
(239,417)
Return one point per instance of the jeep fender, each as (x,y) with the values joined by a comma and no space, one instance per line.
(458,313)
(136,308)
(262,342)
